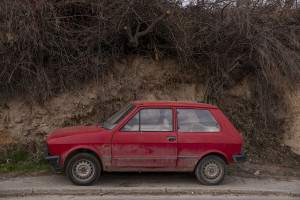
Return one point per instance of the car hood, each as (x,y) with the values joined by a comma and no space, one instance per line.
(75,130)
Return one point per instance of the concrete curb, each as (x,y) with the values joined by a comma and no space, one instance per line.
(142,191)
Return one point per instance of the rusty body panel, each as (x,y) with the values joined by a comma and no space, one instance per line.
(143,150)
(121,150)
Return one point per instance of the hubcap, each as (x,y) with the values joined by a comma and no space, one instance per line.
(83,170)
(212,171)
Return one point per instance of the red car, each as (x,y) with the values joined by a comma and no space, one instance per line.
(149,136)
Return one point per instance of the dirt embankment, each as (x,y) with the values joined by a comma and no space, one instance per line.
(292,137)
(140,79)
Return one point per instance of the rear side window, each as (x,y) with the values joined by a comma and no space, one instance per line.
(151,119)
(195,120)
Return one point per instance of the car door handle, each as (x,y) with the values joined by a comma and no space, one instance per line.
(171,138)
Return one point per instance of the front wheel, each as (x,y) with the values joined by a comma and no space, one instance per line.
(83,169)
(211,170)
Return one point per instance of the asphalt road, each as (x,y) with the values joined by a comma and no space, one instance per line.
(181,197)
(137,184)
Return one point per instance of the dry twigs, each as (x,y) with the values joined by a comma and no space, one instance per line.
(47,46)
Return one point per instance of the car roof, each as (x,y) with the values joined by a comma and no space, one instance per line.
(172,103)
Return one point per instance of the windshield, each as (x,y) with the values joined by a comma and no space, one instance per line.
(114,120)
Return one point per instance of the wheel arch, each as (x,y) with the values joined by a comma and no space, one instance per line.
(81,150)
(219,154)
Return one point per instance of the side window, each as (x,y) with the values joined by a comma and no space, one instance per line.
(132,124)
(195,120)
(148,119)
(156,119)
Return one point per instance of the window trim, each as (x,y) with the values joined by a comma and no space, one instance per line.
(188,108)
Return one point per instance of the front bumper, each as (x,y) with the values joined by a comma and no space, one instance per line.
(239,158)
(51,160)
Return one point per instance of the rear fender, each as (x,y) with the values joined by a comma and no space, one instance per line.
(215,152)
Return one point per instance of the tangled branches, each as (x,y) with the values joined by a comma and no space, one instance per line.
(48,46)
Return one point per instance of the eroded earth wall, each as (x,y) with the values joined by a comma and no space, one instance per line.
(292,137)
(140,79)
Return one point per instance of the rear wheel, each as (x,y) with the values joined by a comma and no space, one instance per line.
(211,170)
(83,169)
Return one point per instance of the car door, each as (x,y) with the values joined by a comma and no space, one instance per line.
(147,140)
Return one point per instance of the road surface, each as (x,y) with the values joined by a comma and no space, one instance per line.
(146,184)
(180,197)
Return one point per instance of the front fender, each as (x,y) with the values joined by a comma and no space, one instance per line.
(65,154)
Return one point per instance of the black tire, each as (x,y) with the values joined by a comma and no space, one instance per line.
(211,170)
(83,169)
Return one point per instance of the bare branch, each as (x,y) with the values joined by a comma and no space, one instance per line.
(151,26)
(134,40)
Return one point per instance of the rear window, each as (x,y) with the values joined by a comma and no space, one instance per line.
(196,120)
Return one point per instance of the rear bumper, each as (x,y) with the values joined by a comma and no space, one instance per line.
(239,158)
(51,160)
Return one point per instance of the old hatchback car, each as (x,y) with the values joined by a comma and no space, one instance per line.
(149,136)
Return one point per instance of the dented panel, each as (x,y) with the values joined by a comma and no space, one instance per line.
(144,149)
